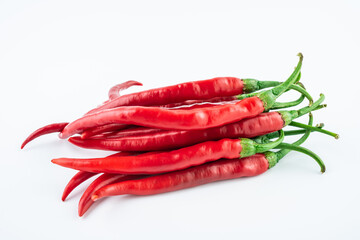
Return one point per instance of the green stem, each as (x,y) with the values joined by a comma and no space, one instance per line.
(249,147)
(289,116)
(269,97)
(274,158)
(252,85)
(305,151)
(269,136)
(304,93)
(308,109)
(282,153)
(320,107)
(281,105)
(311,128)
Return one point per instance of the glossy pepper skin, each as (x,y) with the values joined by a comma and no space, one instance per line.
(192,119)
(134,131)
(197,90)
(192,102)
(190,177)
(103,129)
(103,180)
(82,176)
(171,139)
(111,128)
(159,162)
(75,181)
(51,128)
(114,92)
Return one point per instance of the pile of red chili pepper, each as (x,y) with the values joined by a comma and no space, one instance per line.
(185,135)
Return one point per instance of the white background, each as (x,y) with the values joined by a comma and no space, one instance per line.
(59,58)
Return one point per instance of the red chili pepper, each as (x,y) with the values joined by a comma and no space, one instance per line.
(114,92)
(103,180)
(51,128)
(113,129)
(184,120)
(172,160)
(297,87)
(75,181)
(191,177)
(82,176)
(169,119)
(197,90)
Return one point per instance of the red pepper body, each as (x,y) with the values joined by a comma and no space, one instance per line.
(51,128)
(75,181)
(158,162)
(103,129)
(197,90)
(82,176)
(130,132)
(192,102)
(111,129)
(105,179)
(114,92)
(191,177)
(170,139)
(193,119)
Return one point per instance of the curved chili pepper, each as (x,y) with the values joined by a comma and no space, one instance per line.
(184,120)
(75,181)
(114,91)
(172,160)
(103,180)
(51,128)
(82,176)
